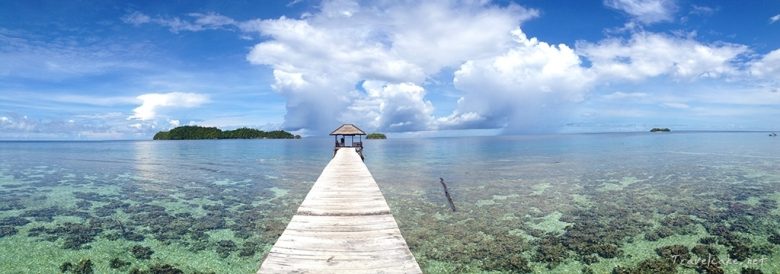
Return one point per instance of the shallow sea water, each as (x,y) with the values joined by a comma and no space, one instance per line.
(581,203)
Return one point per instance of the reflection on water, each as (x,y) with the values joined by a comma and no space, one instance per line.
(149,172)
(600,203)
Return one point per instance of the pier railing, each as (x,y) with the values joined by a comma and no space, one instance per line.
(353,144)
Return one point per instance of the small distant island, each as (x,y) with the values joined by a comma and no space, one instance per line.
(656,129)
(376,135)
(200,133)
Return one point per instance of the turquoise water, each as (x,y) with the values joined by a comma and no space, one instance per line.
(583,203)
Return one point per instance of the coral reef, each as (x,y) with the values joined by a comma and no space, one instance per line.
(225,247)
(705,251)
(483,243)
(658,233)
(141,252)
(750,270)
(675,253)
(82,267)
(118,263)
(7,231)
(14,221)
(550,251)
(249,248)
(657,265)
(774,238)
(709,267)
(74,235)
(158,269)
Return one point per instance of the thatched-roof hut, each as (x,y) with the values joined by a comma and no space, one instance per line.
(348,130)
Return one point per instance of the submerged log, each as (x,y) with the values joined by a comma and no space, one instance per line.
(447,193)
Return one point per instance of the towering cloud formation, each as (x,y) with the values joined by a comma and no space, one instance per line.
(394,107)
(320,61)
(532,79)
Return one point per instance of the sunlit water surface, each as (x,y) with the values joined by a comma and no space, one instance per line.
(590,203)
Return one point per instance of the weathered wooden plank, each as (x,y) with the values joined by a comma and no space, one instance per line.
(343,226)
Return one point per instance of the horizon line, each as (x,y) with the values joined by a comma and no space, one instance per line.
(422,137)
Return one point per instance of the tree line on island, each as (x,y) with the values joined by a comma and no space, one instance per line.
(199,132)
(376,135)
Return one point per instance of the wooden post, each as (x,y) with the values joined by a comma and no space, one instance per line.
(335,145)
(447,193)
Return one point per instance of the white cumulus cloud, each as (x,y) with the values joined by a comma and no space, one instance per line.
(648,55)
(194,21)
(619,95)
(767,67)
(101,126)
(319,60)
(136,18)
(152,103)
(533,79)
(676,105)
(394,107)
(645,11)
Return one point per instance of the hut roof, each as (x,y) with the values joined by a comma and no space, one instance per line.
(348,129)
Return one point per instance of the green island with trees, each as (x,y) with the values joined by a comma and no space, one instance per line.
(199,133)
(376,135)
(660,130)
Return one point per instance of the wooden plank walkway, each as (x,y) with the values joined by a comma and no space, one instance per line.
(343,226)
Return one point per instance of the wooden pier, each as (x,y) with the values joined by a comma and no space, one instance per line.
(343,226)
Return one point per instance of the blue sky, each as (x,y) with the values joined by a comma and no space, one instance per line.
(118,70)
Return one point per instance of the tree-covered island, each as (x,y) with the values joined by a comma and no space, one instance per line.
(376,135)
(660,130)
(199,132)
